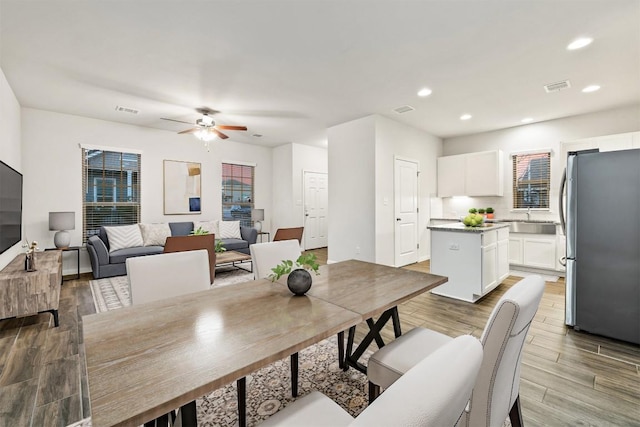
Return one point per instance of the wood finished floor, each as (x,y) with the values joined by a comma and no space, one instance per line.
(568,378)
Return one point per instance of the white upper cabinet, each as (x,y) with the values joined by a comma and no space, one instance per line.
(472,174)
(451,175)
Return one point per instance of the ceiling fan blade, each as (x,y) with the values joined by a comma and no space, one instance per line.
(228,127)
(174,120)
(192,130)
(220,134)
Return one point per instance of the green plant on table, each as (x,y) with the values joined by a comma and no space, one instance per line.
(489,210)
(473,210)
(481,211)
(308,262)
(199,232)
(219,248)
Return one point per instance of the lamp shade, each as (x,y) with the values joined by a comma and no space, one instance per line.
(62,221)
(257,214)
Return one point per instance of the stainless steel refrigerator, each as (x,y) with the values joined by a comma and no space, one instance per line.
(602,228)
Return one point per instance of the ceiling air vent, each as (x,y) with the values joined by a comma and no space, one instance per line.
(557,87)
(126,110)
(403,109)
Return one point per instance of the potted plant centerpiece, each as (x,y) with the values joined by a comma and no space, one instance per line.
(490,213)
(473,211)
(481,211)
(299,279)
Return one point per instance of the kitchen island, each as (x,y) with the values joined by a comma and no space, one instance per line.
(475,259)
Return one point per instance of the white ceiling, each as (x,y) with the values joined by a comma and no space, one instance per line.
(290,69)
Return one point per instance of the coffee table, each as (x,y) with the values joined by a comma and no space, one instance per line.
(233,257)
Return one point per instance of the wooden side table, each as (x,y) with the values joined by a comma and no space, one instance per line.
(70,248)
(26,293)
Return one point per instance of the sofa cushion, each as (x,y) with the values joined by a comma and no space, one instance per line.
(234,244)
(121,255)
(181,228)
(126,236)
(154,234)
(210,226)
(229,230)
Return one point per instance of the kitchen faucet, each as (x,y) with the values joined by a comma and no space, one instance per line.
(528,213)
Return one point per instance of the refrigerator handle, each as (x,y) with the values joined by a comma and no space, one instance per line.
(563,182)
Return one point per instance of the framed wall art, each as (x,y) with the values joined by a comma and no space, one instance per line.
(182,191)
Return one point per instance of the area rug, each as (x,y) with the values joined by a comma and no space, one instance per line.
(113,292)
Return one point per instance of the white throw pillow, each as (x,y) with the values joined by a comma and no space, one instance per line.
(210,226)
(155,234)
(229,229)
(126,236)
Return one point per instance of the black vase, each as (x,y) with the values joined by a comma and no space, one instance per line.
(299,281)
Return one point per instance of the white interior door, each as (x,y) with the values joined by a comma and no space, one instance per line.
(406,212)
(315,210)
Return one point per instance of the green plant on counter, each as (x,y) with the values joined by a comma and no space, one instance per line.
(473,210)
(306,261)
(199,232)
(489,210)
(481,211)
(219,248)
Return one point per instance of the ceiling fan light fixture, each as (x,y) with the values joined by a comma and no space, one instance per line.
(205,135)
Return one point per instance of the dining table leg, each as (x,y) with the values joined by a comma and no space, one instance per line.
(341,349)
(241,386)
(294,375)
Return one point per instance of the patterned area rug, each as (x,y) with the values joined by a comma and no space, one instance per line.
(268,389)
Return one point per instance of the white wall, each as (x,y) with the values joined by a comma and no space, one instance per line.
(361,176)
(10,151)
(52,164)
(394,139)
(289,163)
(547,134)
(352,190)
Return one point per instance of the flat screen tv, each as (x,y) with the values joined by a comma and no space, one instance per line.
(10,206)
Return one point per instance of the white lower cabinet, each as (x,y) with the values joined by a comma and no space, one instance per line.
(474,262)
(533,250)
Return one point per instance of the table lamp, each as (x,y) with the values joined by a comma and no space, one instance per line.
(61,222)
(257,215)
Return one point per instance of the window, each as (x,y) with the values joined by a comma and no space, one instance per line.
(111,189)
(531,180)
(237,193)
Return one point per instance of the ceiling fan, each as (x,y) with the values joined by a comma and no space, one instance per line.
(206,128)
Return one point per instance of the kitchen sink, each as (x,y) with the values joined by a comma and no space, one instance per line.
(532,228)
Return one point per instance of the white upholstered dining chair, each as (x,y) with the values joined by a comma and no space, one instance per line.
(496,392)
(265,256)
(432,393)
(162,276)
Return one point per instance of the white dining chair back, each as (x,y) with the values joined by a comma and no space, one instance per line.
(265,256)
(432,393)
(162,276)
(495,394)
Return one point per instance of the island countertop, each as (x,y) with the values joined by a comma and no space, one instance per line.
(458,226)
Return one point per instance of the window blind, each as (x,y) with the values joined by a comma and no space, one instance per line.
(237,193)
(531,180)
(111,189)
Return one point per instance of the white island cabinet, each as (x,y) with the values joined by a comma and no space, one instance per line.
(475,259)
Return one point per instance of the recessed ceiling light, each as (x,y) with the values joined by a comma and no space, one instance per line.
(527,120)
(579,43)
(465,117)
(424,92)
(591,88)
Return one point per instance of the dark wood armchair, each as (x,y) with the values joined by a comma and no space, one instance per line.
(192,243)
(289,234)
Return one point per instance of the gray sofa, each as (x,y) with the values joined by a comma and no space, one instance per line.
(109,264)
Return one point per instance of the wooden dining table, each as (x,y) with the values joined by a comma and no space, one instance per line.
(147,360)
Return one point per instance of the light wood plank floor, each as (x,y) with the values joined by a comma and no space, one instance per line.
(568,378)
